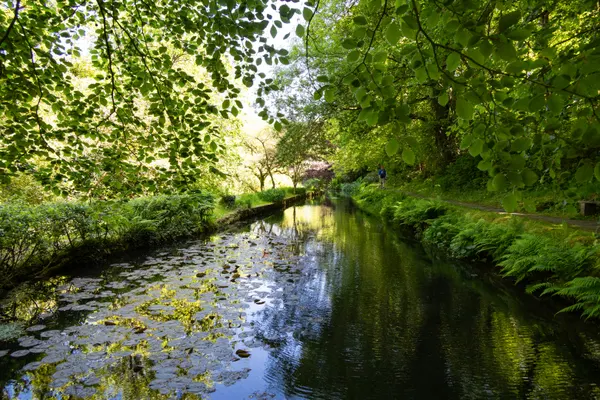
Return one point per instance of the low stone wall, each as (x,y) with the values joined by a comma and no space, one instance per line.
(247,213)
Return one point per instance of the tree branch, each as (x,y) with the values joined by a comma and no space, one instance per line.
(12,23)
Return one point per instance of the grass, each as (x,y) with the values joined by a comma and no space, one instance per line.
(251,200)
(544,201)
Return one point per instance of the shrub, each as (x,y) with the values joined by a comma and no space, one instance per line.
(246,200)
(417,213)
(228,201)
(33,237)
(350,189)
(272,195)
(314,184)
(463,174)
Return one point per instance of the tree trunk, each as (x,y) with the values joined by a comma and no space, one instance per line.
(445,144)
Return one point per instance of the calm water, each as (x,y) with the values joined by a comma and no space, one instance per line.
(319,302)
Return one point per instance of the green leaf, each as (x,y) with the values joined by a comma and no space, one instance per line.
(476,147)
(408,156)
(300,31)
(520,144)
(508,20)
(372,118)
(330,95)
(464,109)
(392,147)
(349,44)
(486,48)
(584,173)
(353,56)
(462,37)
(421,74)
(529,177)
(411,21)
(515,178)
(466,142)
(555,103)
(443,99)
(509,203)
(499,182)
(393,34)
(307,13)
(485,165)
(506,51)
(317,95)
(597,171)
(278,126)
(360,20)
(517,162)
(273,31)
(518,34)
(537,103)
(453,61)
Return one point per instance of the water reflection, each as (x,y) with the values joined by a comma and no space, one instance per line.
(316,302)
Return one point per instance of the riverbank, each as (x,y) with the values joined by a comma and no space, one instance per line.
(37,240)
(547,259)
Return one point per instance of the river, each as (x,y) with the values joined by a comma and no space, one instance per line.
(316,302)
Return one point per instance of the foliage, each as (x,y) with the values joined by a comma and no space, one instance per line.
(530,255)
(272,195)
(462,174)
(228,201)
(108,92)
(35,237)
(420,83)
(416,214)
(299,144)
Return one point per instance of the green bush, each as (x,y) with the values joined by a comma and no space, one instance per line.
(34,237)
(416,213)
(272,195)
(228,201)
(463,174)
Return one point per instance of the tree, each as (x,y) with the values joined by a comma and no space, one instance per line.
(264,164)
(71,130)
(514,84)
(300,143)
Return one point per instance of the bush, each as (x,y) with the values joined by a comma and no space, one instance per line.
(246,200)
(463,174)
(272,195)
(314,185)
(228,201)
(417,213)
(34,237)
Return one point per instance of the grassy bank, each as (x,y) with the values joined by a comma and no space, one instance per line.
(546,259)
(36,238)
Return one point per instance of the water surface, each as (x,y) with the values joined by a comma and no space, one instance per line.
(318,302)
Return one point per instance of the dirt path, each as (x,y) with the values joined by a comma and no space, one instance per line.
(588,225)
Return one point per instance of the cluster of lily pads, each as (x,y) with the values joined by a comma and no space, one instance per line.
(177,322)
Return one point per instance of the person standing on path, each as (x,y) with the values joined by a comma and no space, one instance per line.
(382,176)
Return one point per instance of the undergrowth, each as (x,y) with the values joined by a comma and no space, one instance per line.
(36,237)
(548,260)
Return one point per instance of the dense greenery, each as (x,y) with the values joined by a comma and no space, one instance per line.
(34,238)
(562,263)
(418,84)
(132,93)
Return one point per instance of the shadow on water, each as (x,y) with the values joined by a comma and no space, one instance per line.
(319,302)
